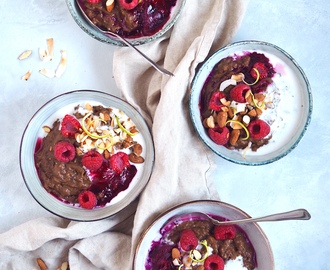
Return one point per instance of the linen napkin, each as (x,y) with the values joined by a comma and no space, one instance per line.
(181,160)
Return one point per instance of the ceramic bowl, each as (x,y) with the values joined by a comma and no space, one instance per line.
(258,239)
(98,35)
(293,110)
(55,109)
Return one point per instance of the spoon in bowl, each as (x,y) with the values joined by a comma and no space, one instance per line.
(108,32)
(298,214)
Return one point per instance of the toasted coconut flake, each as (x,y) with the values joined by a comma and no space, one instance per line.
(62,66)
(226,83)
(49,73)
(27,75)
(24,54)
(43,55)
(50,47)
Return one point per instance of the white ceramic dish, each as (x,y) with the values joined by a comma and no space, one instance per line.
(295,109)
(255,234)
(56,108)
(91,31)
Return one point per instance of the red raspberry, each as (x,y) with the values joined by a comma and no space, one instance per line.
(215,103)
(238,92)
(119,161)
(128,4)
(219,135)
(214,262)
(92,160)
(94,1)
(188,240)
(263,72)
(87,199)
(64,151)
(258,129)
(224,232)
(70,126)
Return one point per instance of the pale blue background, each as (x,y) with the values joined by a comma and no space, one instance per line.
(299,180)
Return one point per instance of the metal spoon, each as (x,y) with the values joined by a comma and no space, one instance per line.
(156,66)
(298,214)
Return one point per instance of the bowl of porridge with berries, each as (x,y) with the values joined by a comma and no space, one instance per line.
(86,155)
(251,103)
(180,239)
(138,21)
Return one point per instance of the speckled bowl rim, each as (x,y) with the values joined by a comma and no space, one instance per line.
(91,31)
(195,116)
(29,140)
(196,205)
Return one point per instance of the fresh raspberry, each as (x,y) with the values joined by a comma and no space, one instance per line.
(94,1)
(70,126)
(188,240)
(258,129)
(263,72)
(128,4)
(119,161)
(215,103)
(214,262)
(238,92)
(219,135)
(224,232)
(64,151)
(92,160)
(87,199)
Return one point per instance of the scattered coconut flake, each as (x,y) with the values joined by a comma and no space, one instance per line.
(226,83)
(43,55)
(27,75)
(50,46)
(62,66)
(24,54)
(49,73)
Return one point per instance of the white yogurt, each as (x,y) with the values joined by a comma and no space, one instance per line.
(285,111)
(236,264)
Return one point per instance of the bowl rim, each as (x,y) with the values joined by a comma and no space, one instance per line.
(85,215)
(207,61)
(91,31)
(171,211)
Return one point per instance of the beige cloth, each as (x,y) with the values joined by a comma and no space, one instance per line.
(181,159)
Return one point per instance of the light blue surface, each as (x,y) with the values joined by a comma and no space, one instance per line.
(299,180)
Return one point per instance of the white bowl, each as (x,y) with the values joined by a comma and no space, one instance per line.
(98,35)
(258,239)
(292,82)
(57,108)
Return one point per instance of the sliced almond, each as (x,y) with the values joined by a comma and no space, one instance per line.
(110,4)
(175,253)
(64,266)
(47,129)
(41,264)
(222,119)
(24,54)
(27,75)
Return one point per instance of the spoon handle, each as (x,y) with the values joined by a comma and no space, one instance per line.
(157,67)
(298,214)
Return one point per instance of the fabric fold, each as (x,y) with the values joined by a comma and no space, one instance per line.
(182,161)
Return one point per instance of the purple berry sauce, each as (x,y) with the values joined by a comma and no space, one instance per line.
(146,19)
